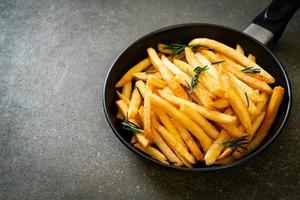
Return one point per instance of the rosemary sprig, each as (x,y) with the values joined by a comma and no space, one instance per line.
(194,81)
(251,70)
(127,125)
(178,48)
(217,62)
(237,142)
(247,99)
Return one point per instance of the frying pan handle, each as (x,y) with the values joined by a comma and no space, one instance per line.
(270,24)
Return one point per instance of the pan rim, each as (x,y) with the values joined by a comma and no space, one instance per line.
(206,168)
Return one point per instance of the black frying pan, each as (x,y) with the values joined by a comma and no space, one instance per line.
(266,27)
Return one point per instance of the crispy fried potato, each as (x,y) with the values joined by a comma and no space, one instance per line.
(154,153)
(216,148)
(239,49)
(232,53)
(137,68)
(134,104)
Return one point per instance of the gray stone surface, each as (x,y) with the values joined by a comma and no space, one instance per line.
(55,142)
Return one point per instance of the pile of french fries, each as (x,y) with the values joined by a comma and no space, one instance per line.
(206,102)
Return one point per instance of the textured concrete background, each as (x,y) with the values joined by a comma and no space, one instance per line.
(55,142)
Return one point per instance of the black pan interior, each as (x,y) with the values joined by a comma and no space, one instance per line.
(184,33)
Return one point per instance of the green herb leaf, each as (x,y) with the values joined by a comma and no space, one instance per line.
(194,81)
(178,48)
(217,62)
(127,125)
(247,99)
(251,70)
(237,142)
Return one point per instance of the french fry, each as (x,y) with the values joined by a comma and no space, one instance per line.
(141,87)
(141,115)
(154,153)
(205,62)
(139,136)
(271,113)
(173,143)
(236,102)
(123,97)
(221,103)
(240,68)
(245,97)
(209,114)
(183,120)
(239,49)
(216,148)
(147,117)
(231,129)
(119,115)
(166,121)
(173,68)
(256,124)
(260,105)
(144,76)
(137,68)
(253,82)
(252,57)
(269,118)
(157,82)
(166,74)
(165,149)
(209,82)
(134,105)
(127,89)
(232,53)
(210,129)
(225,153)
(189,141)
(225,161)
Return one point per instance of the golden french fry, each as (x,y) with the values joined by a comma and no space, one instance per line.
(184,161)
(166,74)
(271,113)
(173,143)
(173,68)
(183,120)
(205,62)
(221,103)
(210,129)
(147,117)
(240,68)
(209,82)
(209,114)
(157,82)
(251,57)
(165,149)
(236,102)
(269,118)
(141,115)
(154,153)
(251,81)
(137,68)
(256,124)
(123,97)
(216,148)
(225,153)
(232,53)
(231,129)
(239,49)
(141,87)
(127,89)
(144,76)
(183,66)
(166,121)
(225,161)
(264,99)
(245,97)
(135,103)
(188,139)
